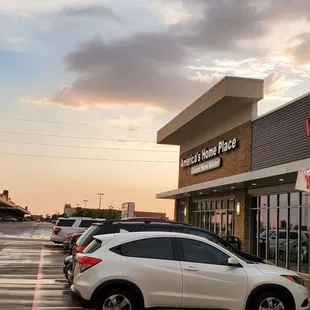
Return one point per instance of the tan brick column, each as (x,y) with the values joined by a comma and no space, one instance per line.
(242,221)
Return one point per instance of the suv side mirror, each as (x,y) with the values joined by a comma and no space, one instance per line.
(233,262)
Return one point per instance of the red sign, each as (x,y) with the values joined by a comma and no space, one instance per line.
(308,127)
(307,177)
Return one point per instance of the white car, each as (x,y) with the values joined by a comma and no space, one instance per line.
(70,225)
(140,270)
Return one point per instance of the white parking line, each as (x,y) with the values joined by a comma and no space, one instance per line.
(67,308)
(36,296)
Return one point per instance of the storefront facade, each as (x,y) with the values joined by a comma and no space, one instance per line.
(238,170)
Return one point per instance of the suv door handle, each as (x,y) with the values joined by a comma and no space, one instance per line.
(190,268)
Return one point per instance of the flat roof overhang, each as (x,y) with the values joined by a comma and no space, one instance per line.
(18,209)
(273,176)
(227,97)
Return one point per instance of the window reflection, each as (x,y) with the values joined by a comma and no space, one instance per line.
(305,233)
(282,228)
(214,215)
(263,225)
(273,204)
(293,231)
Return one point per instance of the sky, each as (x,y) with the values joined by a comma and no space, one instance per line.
(86,84)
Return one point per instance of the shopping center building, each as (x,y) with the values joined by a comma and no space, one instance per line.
(238,170)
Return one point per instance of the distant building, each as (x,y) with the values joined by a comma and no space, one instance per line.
(10,208)
(128,210)
(68,210)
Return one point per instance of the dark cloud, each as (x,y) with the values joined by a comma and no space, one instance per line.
(138,71)
(223,25)
(91,11)
(150,68)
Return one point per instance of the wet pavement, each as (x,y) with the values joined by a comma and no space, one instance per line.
(31,275)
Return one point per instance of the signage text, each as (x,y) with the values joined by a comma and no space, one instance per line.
(206,166)
(308,127)
(208,153)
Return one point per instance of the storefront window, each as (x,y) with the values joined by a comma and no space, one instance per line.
(293,231)
(263,226)
(214,215)
(283,223)
(273,232)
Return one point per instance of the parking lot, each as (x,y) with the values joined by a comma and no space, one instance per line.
(31,269)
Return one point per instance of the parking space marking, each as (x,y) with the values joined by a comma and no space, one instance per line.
(36,296)
(68,308)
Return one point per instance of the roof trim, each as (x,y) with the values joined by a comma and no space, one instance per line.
(282,106)
(244,177)
(246,89)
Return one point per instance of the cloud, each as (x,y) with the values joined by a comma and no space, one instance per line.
(144,69)
(154,69)
(300,52)
(91,11)
(277,84)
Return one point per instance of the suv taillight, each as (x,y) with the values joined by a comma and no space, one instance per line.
(56,230)
(80,249)
(87,262)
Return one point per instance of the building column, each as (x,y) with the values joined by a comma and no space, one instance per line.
(186,210)
(242,220)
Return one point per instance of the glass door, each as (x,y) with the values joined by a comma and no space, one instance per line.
(221,227)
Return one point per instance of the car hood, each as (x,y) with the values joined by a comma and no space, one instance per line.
(270,269)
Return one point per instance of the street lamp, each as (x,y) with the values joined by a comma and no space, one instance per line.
(85,201)
(100,194)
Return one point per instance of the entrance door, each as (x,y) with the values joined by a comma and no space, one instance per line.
(221,227)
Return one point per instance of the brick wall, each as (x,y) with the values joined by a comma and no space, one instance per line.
(233,162)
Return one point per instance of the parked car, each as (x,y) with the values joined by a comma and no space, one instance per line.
(176,270)
(70,239)
(293,235)
(134,226)
(67,225)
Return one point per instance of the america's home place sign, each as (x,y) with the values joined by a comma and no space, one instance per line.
(222,147)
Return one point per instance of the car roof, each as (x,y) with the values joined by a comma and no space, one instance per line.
(80,218)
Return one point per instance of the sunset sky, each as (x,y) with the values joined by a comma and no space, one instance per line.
(110,73)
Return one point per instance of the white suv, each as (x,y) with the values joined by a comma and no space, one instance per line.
(70,225)
(140,270)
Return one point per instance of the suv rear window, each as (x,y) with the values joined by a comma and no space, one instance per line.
(95,230)
(93,246)
(87,223)
(65,223)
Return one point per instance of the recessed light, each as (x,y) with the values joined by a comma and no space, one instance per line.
(232,187)
(281,180)
(253,184)
(200,193)
(214,190)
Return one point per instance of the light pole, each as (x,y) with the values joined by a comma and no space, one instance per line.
(100,194)
(85,201)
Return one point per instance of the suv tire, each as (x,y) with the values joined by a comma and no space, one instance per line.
(121,298)
(270,300)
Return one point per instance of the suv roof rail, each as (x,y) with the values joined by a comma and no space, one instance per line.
(145,221)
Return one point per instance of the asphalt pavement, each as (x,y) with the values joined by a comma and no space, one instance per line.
(31,275)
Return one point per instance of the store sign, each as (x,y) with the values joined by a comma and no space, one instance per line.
(308,127)
(303,180)
(206,166)
(205,154)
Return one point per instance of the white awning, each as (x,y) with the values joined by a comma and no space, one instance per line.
(275,173)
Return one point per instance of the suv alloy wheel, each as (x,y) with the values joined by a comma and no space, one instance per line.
(272,301)
(117,299)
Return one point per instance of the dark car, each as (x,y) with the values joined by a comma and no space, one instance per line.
(149,225)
